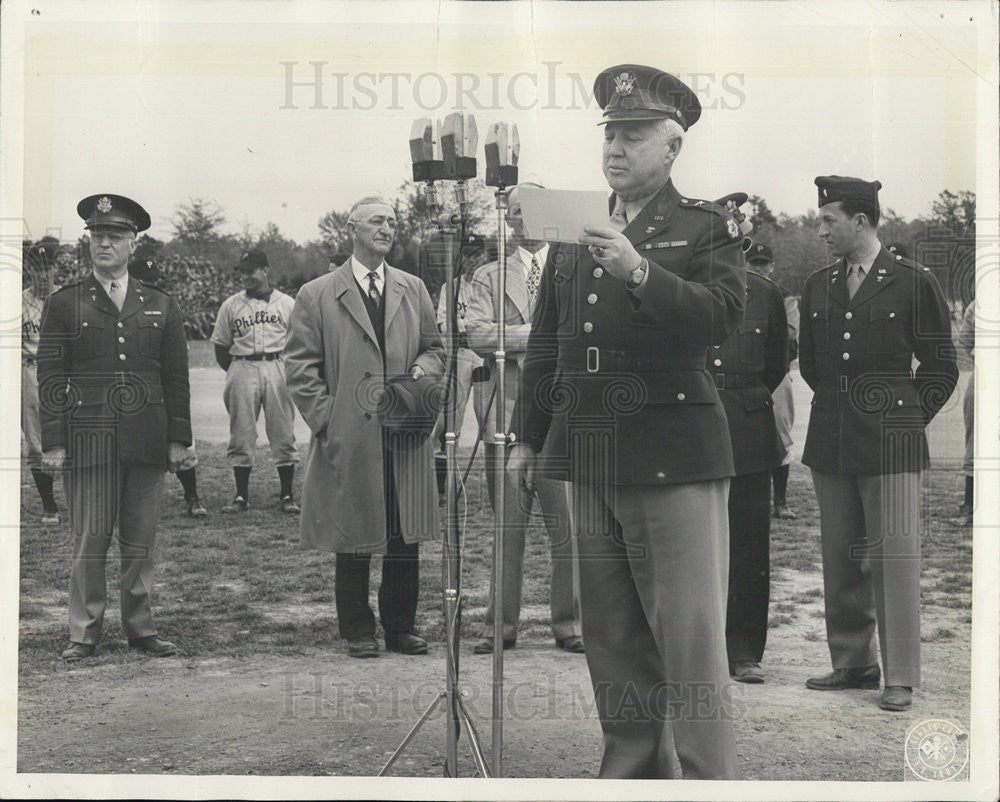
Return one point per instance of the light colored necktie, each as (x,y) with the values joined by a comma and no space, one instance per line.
(618,217)
(855,275)
(117,295)
(373,292)
(533,279)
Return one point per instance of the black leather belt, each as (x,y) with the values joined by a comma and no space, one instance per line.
(734,381)
(608,360)
(261,357)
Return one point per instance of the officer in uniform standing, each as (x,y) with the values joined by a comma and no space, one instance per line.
(250,331)
(115,408)
(615,368)
(747,368)
(864,318)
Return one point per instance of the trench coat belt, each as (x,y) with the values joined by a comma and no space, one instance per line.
(606,360)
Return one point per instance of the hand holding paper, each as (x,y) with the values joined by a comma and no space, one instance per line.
(557,215)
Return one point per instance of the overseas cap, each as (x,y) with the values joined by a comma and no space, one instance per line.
(834,188)
(116,211)
(635,92)
(252,259)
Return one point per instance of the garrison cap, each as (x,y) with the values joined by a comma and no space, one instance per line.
(116,211)
(840,188)
(252,259)
(635,92)
(759,252)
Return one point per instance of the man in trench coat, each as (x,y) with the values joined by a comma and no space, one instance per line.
(351,330)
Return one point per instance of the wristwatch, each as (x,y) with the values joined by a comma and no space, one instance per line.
(637,275)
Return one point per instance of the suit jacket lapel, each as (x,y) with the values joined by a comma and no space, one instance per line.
(655,215)
(348,295)
(135,299)
(393,294)
(881,275)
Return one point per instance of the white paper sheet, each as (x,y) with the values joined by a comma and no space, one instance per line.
(559,215)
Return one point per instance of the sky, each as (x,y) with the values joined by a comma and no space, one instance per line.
(221,102)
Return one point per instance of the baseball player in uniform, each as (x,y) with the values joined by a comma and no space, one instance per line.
(864,319)
(250,331)
(115,410)
(39,268)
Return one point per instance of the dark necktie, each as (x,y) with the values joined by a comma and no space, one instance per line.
(373,292)
(533,279)
(619,219)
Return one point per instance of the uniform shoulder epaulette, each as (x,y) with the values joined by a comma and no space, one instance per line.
(764,278)
(706,205)
(904,261)
(823,269)
(69,286)
(150,284)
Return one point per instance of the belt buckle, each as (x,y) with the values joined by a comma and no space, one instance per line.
(593,359)
(720,381)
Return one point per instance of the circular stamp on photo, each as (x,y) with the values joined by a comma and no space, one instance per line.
(937,749)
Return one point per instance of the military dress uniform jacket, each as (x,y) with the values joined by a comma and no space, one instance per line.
(747,368)
(869,410)
(113,385)
(621,380)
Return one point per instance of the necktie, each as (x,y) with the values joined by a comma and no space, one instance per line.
(373,292)
(533,279)
(117,295)
(855,275)
(618,217)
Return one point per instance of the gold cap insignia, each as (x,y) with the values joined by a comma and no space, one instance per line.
(104,205)
(624,83)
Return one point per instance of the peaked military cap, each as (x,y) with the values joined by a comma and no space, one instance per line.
(731,203)
(116,211)
(759,252)
(252,259)
(840,188)
(635,92)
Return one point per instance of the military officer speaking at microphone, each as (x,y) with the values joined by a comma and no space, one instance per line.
(615,374)
(864,320)
(115,410)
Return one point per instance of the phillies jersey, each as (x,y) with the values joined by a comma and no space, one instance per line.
(247,325)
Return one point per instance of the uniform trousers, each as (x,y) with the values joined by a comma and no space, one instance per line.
(97,497)
(749,566)
(653,580)
(870,531)
(31,426)
(564,594)
(250,387)
(400,585)
(784,416)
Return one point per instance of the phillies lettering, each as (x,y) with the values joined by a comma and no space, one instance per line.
(241,324)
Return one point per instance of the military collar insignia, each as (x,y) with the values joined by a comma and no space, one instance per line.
(658,218)
(104,205)
(650,229)
(624,83)
(699,203)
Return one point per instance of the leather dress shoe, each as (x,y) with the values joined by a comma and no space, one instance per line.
(152,645)
(196,509)
(289,506)
(748,671)
(896,698)
(405,643)
(237,505)
(572,644)
(78,651)
(485,646)
(867,679)
(362,647)
(784,511)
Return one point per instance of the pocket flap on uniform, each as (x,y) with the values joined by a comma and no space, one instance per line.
(755,398)
(752,327)
(881,313)
(818,314)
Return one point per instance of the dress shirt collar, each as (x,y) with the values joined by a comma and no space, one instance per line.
(106,282)
(361,274)
(525,256)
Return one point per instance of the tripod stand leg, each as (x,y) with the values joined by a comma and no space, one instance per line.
(411,733)
(477,751)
